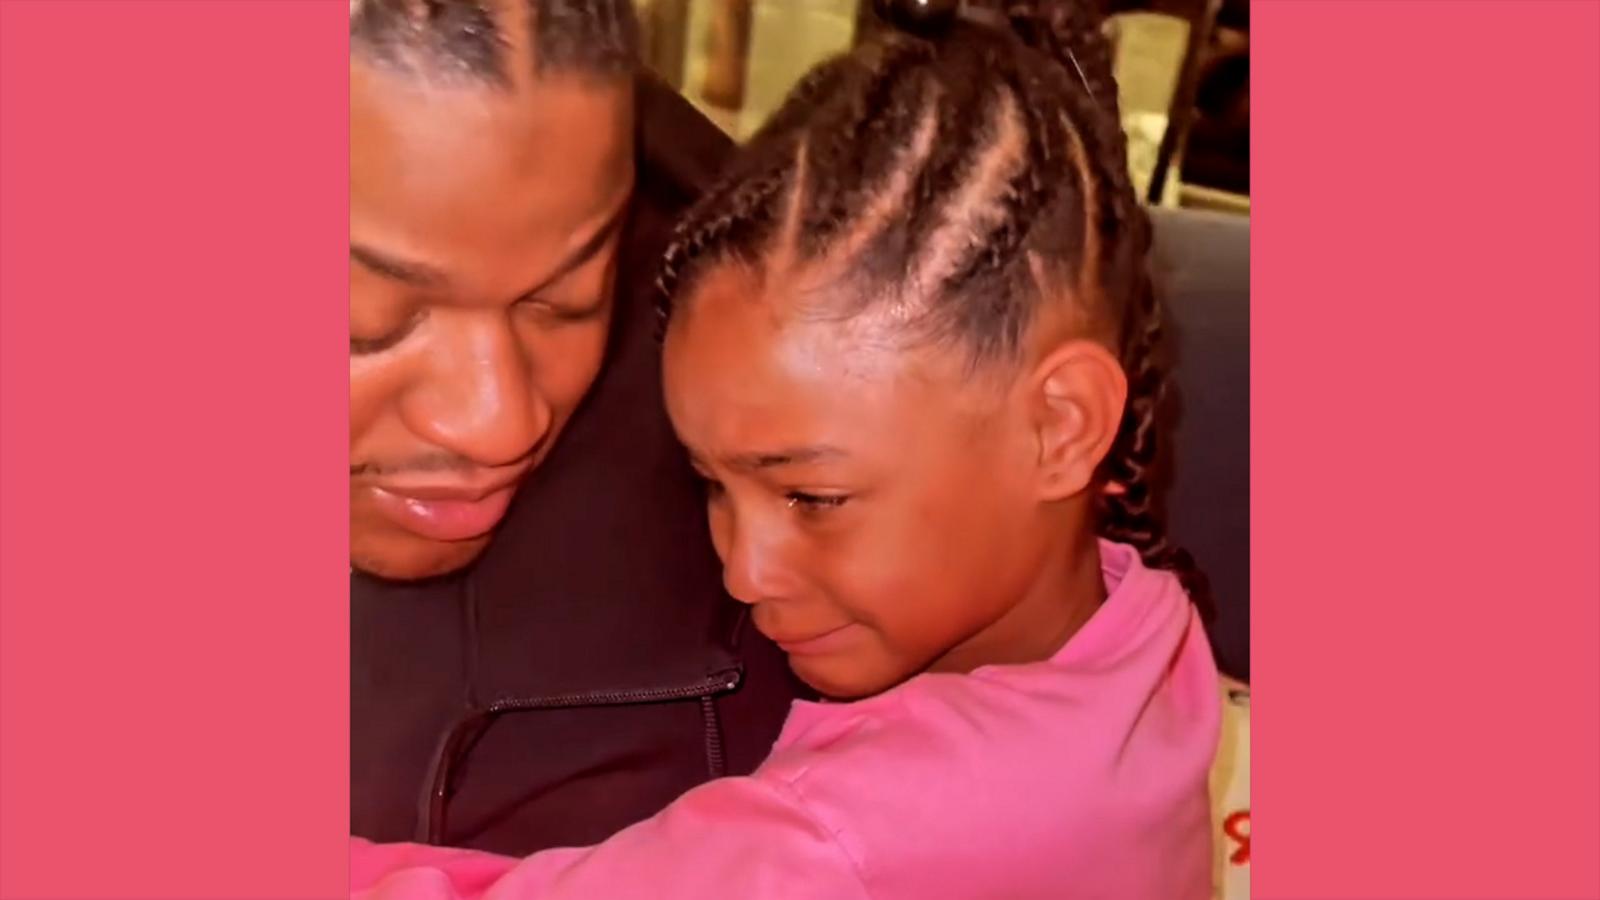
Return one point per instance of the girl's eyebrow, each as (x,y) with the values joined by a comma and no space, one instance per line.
(788,456)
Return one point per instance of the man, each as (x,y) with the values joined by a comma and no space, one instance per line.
(541,652)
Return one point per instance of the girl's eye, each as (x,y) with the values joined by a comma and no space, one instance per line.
(815,502)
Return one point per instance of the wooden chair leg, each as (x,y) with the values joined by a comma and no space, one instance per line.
(1179,116)
(665,39)
(728,54)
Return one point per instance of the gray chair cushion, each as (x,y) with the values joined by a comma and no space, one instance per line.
(1202,268)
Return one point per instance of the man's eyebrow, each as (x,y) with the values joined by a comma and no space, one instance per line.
(788,456)
(420,274)
(585,250)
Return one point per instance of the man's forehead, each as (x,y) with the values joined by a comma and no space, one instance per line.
(393,112)
(485,168)
(467,260)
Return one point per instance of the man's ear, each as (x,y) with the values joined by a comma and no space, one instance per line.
(1077,393)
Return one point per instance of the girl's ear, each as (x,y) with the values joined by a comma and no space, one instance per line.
(1076,394)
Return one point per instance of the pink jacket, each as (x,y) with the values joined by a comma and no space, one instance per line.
(1083,776)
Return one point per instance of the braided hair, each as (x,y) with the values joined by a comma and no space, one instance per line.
(980,169)
(470,41)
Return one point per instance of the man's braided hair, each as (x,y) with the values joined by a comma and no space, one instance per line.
(469,41)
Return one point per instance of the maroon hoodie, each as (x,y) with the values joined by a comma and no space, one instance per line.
(588,668)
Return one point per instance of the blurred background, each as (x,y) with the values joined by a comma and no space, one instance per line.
(1183,67)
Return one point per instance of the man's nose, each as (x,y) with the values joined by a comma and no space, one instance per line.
(478,398)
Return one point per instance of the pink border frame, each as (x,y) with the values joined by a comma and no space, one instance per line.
(1426,449)
(174,636)
(173,184)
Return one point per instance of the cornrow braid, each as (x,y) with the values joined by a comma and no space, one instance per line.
(468,42)
(742,213)
(974,174)
(1129,512)
(597,36)
(880,105)
(739,209)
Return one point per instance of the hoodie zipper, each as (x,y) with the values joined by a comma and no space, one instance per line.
(466,731)
(715,683)
(708,715)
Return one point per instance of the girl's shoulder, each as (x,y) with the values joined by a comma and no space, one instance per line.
(998,779)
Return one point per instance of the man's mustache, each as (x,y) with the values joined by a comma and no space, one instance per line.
(442,462)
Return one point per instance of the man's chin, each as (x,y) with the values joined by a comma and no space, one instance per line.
(414,558)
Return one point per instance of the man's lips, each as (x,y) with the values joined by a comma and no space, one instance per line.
(446,511)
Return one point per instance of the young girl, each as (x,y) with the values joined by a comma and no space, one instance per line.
(911,350)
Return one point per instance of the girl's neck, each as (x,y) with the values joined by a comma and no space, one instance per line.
(1069,589)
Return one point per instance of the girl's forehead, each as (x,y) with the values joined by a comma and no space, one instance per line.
(749,348)
(805,386)
(740,360)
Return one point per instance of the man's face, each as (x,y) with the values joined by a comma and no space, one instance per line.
(483,238)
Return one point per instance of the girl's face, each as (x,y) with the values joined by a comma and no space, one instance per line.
(874,503)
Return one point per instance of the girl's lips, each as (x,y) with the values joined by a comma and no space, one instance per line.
(826,642)
(445,515)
